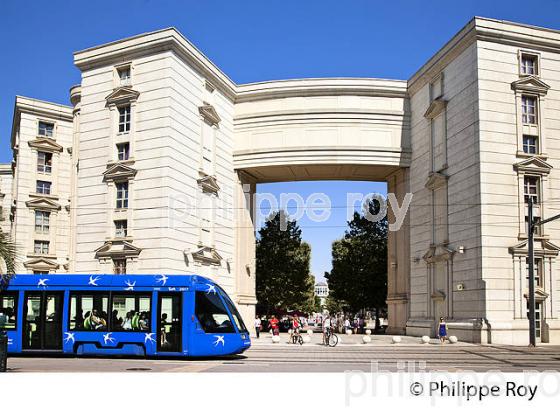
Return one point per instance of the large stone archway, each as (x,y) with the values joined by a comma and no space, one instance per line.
(324,129)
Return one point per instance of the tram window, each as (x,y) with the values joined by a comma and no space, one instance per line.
(130,313)
(212,314)
(236,316)
(8,311)
(89,311)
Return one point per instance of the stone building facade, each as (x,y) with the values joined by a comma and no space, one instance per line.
(153,166)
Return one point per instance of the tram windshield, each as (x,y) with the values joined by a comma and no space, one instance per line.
(211,313)
(236,316)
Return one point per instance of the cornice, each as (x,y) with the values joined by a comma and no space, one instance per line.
(485,29)
(436,107)
(45,144)
(43,203)
(533,165)
(117,248)
(168,39)
(209,114)
(122,95)
(41,263)
(315,87)
(119,172)
(531,84)
(205,255)
(546,248)
(209,184)
(436,180)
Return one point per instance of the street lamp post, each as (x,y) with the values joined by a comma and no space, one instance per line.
(532,305)
(532,225)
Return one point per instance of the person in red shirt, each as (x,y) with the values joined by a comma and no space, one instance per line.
(295,324)
(274,325)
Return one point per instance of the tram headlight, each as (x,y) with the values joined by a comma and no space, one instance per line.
(243,336)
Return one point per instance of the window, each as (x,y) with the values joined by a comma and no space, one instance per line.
(537,270)
(44,162)
(119,266)
(212,314)
(537,228)
(529,64)
(121,228)
(122,195)
(124,118)
(89,311)
(538,317)
(41,247)
(123,151)
(130,313)
(8,310)
(530,144)
(44,187)
(42,220)
(531,189)
(234,312)
(46,129)
(528,109)
(124,75)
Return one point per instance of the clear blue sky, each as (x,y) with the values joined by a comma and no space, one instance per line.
(250,41)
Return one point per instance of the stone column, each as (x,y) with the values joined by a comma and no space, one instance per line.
(398,259)
(244,264)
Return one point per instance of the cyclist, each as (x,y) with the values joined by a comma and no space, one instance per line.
(296,326)
(326,329)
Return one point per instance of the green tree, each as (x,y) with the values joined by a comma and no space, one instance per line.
(283,280)
(317,308)
(358,278)
(7,259)
(334,306)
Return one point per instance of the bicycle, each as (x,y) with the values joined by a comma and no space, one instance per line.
(297,338)
(331,339)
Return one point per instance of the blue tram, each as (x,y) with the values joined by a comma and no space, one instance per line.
(144,315)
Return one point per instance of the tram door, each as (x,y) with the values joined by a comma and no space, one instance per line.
(42,321)
(169,322)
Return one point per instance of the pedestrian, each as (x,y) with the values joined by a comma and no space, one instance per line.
(258,326)
(3,319)
(347,325)
(274,326)
(442,330)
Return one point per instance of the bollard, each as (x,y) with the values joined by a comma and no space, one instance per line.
(3,351)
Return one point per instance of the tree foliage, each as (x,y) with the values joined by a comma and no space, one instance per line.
(282,273)
(358,278)
(7,259)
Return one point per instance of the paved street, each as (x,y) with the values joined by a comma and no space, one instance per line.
(267,357)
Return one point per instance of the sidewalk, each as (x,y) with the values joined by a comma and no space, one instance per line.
(345,340)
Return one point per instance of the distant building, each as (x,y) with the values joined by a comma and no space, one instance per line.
(322,291)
